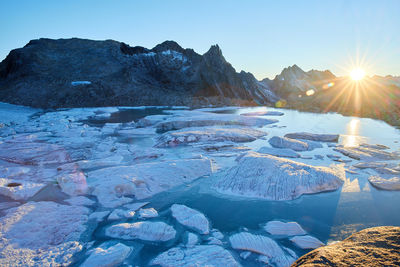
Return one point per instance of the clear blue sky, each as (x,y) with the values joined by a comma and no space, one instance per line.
(262,37)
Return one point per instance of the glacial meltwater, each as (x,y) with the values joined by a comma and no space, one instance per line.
(133,137)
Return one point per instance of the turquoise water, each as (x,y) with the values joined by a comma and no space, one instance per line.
(328,216)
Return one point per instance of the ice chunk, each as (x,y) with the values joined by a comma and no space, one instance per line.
(52,239)
(147,231)
(106,255)
(314,136)
(19,190)
(306,242)
(113,186)
(202,255)
(209,134)
(385,184)
(262,245)
(268,177)
(148,213)
(283,142)
(279,152)
(190,218)
(282,228)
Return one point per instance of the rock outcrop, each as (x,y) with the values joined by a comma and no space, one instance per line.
(76,72)
(378,246)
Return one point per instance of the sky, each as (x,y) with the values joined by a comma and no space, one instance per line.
(261,37)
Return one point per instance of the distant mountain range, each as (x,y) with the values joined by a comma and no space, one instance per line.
(76,72)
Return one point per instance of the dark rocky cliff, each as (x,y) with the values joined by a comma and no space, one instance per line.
(77,72)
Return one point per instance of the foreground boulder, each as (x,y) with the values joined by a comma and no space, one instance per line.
(201,255)
(378,246)
(268,177)
(209,134)
(41,234)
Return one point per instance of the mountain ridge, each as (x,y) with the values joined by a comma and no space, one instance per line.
(44,74)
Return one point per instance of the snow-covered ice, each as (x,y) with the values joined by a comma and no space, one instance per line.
(19,190)
(306,242)
(147,213)
(115,186)
(147,231)
(190,218)
(391,184)
(209,134)
(201,255)
(284,142)
(105,256)
(262,245)
(268,177)
(284,228)
(279,152)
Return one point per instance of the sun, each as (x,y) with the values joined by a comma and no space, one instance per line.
(357,74)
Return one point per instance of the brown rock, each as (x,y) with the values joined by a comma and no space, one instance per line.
(377,246)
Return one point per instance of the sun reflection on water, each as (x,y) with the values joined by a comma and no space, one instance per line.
(352,138)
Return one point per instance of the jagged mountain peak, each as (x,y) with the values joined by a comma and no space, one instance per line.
(214,50)
(168,45)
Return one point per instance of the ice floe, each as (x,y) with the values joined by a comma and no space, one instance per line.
(19,190)
(306,242)
(147,213)
(366,153)
(262,245)
(201,255)
(99,216)
(190,218)
(209,134)
(147,231)
(80,201)
(284,228)
(118,214)
(185,119)
(53,235)
(191,240)
(314,136)
(106,255)
(279,152)
(385,184)
(284,142)
(268,177)
(116,186)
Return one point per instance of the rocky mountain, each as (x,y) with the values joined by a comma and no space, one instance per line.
(77,72)
(321,91)
(293,81)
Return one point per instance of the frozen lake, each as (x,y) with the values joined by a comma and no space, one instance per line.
(328,216)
